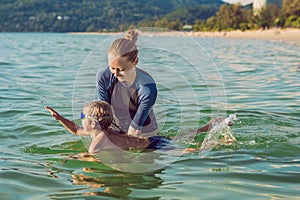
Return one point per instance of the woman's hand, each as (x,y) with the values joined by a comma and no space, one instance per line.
(54,114)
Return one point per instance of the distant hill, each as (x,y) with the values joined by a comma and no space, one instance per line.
(94,15)
(100,15)
(189,15)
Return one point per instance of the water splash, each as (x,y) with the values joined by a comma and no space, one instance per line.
(220,133)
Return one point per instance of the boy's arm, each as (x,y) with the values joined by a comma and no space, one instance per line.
(210,124)
(203,128)
(69,125)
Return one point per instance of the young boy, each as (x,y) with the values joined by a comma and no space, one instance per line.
(96,120)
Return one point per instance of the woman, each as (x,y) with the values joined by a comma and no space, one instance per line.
(129,90)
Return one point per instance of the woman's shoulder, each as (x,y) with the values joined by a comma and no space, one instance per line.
(103,72)
(105,76)
(143,77)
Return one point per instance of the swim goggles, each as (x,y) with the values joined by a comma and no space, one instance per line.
(82,116)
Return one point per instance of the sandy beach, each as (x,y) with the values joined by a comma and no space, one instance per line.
(291,36)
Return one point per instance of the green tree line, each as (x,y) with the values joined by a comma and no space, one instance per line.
(119,15)
(234,16)
(86,15)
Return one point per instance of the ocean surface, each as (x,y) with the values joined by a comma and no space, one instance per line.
(198,79)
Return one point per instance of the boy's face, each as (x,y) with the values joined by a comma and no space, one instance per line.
(119,66)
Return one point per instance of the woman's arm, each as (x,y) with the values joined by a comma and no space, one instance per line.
(103,83)
(69,125)
(147,95)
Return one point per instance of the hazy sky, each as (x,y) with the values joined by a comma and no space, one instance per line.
(243,2)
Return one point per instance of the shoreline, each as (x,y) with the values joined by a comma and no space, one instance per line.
(289,35)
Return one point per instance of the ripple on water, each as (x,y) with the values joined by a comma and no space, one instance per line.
(261,85)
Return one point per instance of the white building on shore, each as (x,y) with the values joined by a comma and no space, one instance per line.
(258,5)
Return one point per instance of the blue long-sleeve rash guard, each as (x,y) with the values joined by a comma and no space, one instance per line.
(132,105)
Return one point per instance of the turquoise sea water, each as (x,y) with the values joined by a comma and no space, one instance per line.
(198,78)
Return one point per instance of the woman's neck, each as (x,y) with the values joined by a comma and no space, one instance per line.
(130,77)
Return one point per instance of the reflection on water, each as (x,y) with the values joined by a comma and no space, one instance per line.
(101,180)
(114,184)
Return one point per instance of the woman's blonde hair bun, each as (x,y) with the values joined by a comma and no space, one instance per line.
(132,35)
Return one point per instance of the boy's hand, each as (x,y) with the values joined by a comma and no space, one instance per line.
(54,114)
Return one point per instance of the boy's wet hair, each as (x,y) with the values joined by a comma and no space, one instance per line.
(100,111)
(125,47)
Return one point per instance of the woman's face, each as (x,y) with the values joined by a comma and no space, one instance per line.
(120,66)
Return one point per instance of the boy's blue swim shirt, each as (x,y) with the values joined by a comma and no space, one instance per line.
(131,105)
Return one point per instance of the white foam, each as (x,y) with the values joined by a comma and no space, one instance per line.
(220,133)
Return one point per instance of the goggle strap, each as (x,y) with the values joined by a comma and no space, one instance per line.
(82,116)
